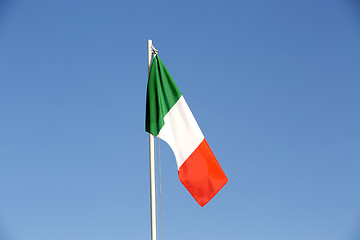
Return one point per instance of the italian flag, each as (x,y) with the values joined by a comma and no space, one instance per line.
(169,118)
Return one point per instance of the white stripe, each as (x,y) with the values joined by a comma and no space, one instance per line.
(181,131)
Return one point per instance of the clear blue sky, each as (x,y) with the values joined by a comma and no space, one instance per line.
(274,86)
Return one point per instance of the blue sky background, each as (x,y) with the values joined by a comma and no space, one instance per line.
(274,85)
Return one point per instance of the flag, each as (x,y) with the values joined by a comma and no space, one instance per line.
(169,118)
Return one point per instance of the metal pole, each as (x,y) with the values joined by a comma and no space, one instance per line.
(152,163)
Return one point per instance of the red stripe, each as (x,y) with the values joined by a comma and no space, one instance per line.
(202,175)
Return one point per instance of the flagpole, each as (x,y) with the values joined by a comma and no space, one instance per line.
(152,163)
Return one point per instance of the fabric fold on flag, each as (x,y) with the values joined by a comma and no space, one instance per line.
(169,118)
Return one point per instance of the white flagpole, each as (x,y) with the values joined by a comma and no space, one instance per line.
(152,163)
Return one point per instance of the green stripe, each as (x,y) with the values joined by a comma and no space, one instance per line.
(162,94)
